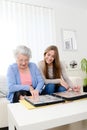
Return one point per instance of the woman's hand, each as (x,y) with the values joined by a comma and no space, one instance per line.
(34,92)
(64,84)
(76,88)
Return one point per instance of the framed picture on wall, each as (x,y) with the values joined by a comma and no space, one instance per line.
(68,44)
(69,39)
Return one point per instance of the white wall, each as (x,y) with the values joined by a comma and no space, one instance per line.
(68,17)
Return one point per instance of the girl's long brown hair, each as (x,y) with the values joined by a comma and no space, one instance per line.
(56,63)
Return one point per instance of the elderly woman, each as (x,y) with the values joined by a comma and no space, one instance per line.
(23,77)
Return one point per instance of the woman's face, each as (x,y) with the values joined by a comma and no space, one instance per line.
(49,57)
(22,61)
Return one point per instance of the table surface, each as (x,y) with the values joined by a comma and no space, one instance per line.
(46,117)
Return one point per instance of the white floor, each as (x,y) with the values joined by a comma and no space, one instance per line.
(81,125)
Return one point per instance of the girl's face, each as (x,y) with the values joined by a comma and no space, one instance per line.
(22,61)
(49,57)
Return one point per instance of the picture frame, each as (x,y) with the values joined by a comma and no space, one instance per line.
(69,39)
(68,44)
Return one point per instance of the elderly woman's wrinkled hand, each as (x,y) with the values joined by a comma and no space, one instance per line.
(34,93)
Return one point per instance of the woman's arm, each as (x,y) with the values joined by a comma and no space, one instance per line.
(65,76)
(37,79)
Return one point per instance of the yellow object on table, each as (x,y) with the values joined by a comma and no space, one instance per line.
(27,104)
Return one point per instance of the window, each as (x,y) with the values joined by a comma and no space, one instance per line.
(24,24)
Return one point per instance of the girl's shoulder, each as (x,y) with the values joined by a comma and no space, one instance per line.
(41,63)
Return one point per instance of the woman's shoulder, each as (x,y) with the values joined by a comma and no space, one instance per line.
(62,64)
(41,63)
(32,65)
(14,65)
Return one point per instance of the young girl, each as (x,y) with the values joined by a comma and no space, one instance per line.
(54,74)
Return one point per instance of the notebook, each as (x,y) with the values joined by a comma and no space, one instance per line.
(2,94)
(44,100)
(71,95)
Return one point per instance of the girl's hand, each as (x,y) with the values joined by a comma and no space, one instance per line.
(76,88)
(64,84)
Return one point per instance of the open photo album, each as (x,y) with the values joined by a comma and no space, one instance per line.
(71,95)
(44,100)
(57,97)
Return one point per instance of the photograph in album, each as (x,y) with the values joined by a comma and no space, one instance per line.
(44,100)
(71,95)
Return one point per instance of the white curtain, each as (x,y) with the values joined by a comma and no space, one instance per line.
(24,24)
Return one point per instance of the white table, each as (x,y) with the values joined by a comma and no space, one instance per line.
(46,117)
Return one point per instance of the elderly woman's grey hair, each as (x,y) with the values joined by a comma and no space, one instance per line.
(22,50)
